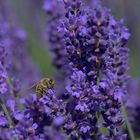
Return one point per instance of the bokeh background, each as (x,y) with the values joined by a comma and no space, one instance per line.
(32,18)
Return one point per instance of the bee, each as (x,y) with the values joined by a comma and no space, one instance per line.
(43,85)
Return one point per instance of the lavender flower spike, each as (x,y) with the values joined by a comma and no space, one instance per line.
(96,47)
(55,10)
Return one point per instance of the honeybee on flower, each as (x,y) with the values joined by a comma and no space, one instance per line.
(43,85)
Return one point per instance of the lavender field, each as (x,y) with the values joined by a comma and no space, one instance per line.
(69,70)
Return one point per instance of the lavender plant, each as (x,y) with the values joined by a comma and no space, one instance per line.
(55,11)
(97,55)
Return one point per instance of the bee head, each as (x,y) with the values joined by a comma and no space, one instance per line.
(51,82)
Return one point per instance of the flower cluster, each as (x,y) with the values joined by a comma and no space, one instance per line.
(42,116)
(55,11)
(97,55)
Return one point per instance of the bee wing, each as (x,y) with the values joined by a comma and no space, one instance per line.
(32,86)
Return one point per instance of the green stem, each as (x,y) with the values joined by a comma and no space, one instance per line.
(7,114)
(132,136)
(10,85)
(11,123)
(115,132)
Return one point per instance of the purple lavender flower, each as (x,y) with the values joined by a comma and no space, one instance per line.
(3,120)
(96,49)
(55,11)
(81,119)
(39,119)
(9,118)
(42,116)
